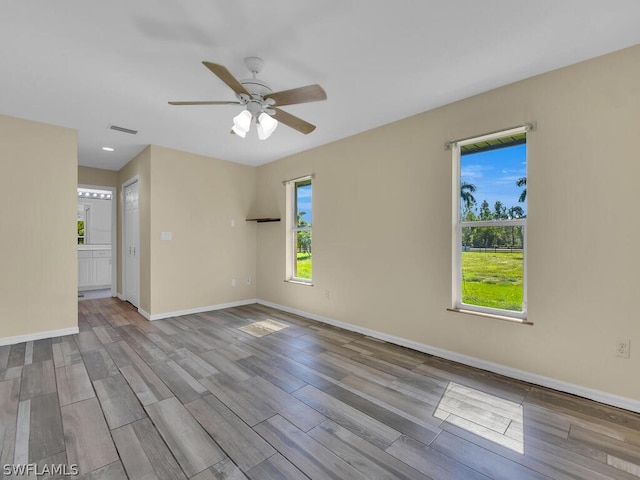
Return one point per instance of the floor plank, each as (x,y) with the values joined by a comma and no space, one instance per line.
(87,341)
(4,357)
(9,401)
(244,446)
(193,364)
(481,460)
(144,454)
(287,405)
(21,453)
(224,470)
(107,334)
(269,371)
(42,350)
(370,460)
(431,462)
(66,352)
(118,402)
(179,381)
(422,433)
(37,379)
(99,364)
(46,437)
(12,372)
(87,437)
(276,468)
(359,423)
(192,447)
(16,355)
(223,365)
(74,384)
(145,383)
(249,408)
(309,456)
(113,471)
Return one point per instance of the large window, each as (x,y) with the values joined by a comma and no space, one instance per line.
(299,206)
(490,224)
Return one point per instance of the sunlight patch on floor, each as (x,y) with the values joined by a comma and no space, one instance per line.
(493,418)
(265,327)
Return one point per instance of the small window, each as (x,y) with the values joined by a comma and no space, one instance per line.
(299,221)
(490,224)
(83,217)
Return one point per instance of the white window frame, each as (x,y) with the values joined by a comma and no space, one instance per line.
(458,225)
(293,229)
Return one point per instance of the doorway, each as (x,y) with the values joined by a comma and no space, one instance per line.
(96,224)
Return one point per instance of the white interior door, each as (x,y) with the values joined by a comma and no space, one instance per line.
(131,244)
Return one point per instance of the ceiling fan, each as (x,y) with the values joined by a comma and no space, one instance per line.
(262,104)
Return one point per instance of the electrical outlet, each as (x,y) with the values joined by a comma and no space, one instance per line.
(233,282)
(248,279)
(622,347)
(327,295)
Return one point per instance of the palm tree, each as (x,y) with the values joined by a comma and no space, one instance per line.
(303,237)
(466,194)
(522,182)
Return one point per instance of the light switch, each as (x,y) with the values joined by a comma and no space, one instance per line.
(165,236)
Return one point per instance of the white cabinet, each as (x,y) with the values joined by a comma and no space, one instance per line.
(94,269)
(84,268)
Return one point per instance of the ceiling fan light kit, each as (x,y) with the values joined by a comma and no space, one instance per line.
(260,102)
(242,123)
(265,125)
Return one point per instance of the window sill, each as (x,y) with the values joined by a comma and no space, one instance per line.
(521,321)
(299,282)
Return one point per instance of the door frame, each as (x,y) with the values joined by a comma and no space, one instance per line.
(127,183)
(114,233)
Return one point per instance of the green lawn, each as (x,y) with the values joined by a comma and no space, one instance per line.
(303,266)
(493,279)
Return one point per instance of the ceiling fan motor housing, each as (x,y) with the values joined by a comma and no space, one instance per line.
(256,87)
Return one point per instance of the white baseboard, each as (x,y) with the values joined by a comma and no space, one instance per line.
(597,395)
(38,336)
(161,316)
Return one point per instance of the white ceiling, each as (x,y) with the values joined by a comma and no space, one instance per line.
(89,64)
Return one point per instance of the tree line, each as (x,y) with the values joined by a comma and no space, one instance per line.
(491,237)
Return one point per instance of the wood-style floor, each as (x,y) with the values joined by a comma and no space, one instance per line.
(198,397)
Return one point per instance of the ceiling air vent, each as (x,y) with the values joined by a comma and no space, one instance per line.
(123,130)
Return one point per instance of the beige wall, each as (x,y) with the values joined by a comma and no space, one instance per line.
(39,273)
(382,227)
(196,198)
(97,177)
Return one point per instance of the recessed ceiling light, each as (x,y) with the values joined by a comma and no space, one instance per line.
(108,149)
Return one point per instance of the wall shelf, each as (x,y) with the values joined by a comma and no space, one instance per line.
(263,220)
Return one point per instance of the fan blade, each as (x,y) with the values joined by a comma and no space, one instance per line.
(310,93)
(205,103)
(223,74)
(293,121)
